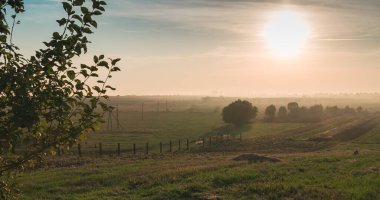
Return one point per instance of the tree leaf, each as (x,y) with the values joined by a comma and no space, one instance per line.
(71,74)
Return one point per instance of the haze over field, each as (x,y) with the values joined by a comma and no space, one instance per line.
(229,47)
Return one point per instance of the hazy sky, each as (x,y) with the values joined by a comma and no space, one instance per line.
(216,47)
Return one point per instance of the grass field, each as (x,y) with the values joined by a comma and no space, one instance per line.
(317,162)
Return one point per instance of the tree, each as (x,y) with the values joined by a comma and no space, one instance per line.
(270,112)
(239,112)
(47,101)
(293,109)
(316,112)
(282,113)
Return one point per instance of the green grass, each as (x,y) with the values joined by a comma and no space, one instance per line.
(155,128)
(317,176)
(333,173)
(309,169)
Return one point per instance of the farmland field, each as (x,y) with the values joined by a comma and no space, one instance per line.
(317,160)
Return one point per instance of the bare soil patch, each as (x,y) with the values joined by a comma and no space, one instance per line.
(255,158)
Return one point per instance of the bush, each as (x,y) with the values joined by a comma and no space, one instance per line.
(270,112)
(282,113)
(239,112)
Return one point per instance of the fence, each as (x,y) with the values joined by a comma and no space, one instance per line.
(171,146)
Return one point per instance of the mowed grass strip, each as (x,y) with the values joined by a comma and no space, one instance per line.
(201,176)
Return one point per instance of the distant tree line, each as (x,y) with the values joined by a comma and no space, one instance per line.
(241,112)
(295,113)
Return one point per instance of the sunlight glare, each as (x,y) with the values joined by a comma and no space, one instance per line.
(286,33)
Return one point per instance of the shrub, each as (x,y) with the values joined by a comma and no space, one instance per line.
(239,112)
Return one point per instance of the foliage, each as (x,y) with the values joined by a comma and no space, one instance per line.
(270,112)
(239,112)
(293,109)
(46,101)
(282,113)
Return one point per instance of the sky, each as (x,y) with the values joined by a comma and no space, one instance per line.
(217,47)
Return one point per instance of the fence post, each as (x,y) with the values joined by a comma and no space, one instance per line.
(160,147)
(147,148)
(118,149)
(134,149)
(59,151)
(170,146)
(209,140)
(187,144)
(179,145)
(100,148)
(79,150)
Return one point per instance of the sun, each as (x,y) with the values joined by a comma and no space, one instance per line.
(286,33)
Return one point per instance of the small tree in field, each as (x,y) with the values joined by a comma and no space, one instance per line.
(282,113)
(270,112)
(47,101)
(239,113)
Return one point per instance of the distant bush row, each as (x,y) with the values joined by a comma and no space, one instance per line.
(242,112)
(294,113)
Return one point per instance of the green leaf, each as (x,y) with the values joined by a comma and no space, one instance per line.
(115,61)
(78,2)
(62,21)
(84,73)
(77,17)
(67,7)
(97,12)
(103,63)
(94,24)
(84,66)
(56,35)
(84,10)
(71,74)
(87,18)
(87,30)
(96,59)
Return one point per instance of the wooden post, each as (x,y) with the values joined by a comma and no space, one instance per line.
(147,148)
(170,146)
(187,144)
(118,149)
(203,142)
(179,145)
(100,148)
(134,149)
(209,141)
(160,147)
(59,151)
(240,137)
(79,150)
(228,137)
